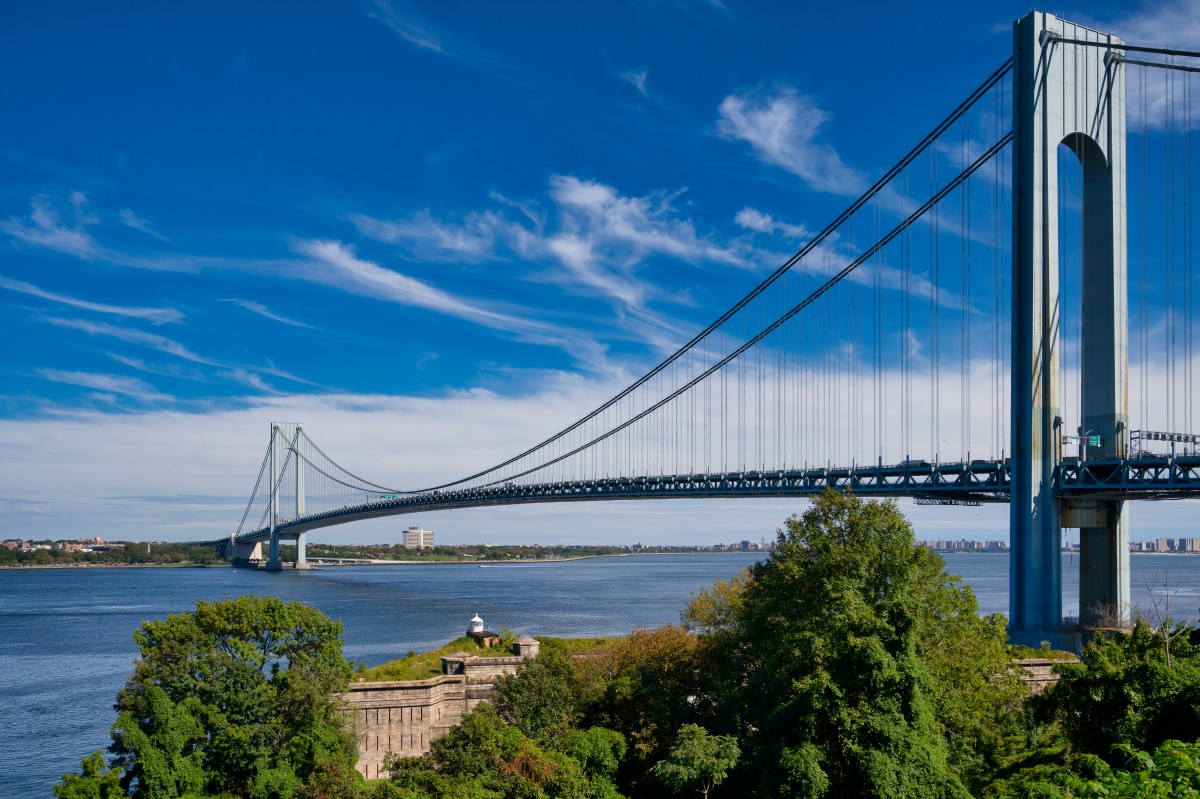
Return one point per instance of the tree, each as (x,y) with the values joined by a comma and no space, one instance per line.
(93,782)
(646,686)
(236,697)
(1173,772)
(539,699)
(486,758)
(1124,691)
(824,669)
(697,760)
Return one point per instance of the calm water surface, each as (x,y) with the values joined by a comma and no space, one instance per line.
(65,634)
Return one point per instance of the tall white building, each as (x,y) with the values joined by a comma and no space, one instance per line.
(416,538)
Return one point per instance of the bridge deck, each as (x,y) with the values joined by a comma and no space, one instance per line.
(1146,478)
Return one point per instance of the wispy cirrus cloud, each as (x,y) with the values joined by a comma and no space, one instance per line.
(414,29)
(109,384)
(132,336)
(1151,91)
(156,316)
(692,9)
(248,378)
(132,220)
(783,128)
(469,241)
(264,311)
(759,222)
(337,264)
(637,78)
(597,239)
(173,371)
(45,227)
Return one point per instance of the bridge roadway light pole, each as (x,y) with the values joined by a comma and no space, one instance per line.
(1075,95)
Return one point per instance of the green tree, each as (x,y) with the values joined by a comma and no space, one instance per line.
(646,686)
(1173,772)
(486,758)
(539,700)
(235,697)
(93,782)
(825,675)
(697,760)
(1124,690)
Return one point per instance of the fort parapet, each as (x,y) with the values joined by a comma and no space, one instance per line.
(405,716)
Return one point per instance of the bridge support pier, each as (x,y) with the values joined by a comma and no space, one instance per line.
(1071,95)
(301,555)
(273,563)
(1104,570)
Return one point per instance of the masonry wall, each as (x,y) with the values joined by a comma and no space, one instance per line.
(405,716)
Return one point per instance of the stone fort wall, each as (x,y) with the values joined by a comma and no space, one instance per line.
(405,716)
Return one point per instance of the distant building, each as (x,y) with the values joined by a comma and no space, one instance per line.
(416,538)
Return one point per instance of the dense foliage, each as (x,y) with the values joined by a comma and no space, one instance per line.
(846,664)
(235,697)
(486,758)
(130,553)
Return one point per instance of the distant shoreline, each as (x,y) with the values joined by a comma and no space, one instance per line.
(323,564)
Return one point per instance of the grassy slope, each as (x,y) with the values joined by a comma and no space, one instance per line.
(422,665)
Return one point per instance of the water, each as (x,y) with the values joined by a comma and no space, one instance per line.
(65,634)
(66,646)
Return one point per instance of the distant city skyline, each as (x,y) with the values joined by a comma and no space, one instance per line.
(431,236)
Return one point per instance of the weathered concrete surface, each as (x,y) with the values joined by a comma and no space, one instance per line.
(1038,673)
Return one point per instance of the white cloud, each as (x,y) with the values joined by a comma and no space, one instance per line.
(131,336)
(753,219)
(783,129)
(601,238)
(637,78)
(137,454)
(155,315)
(264,311)
(471,241)
(247,378)
(132,220)
(648,224)
(1171,24)
(44,227)
(336,264)
(419,32)
(1162,24)
(113,384)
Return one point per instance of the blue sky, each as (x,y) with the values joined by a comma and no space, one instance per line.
(432,232)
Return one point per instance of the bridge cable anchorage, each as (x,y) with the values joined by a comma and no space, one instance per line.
(806,302)
(817,240)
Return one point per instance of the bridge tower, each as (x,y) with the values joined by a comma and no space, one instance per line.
(1067,90)
(284,449)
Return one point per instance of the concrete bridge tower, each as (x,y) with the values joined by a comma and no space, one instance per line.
(1068,89)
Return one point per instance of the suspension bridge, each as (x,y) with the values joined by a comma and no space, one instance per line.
(1005,315)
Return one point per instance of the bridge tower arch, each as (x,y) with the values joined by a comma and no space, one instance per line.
(1073,93)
